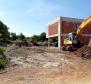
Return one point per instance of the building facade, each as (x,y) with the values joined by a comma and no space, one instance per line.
(60,27)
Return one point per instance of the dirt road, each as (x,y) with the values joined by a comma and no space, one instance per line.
(38,66)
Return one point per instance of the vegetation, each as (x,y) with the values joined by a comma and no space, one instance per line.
(21,37)
(39,39)
(3,47)
(3,60)
(4,33)
(13,36)
(6,38)
(53,42)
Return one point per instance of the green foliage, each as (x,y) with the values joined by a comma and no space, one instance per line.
(53,42)
(13,36)
(3,63)
(45,43)
(3,60)
(21,36)
(3,47)
(1,53)
(43,36)
(4,33)
(39,38)
(28,39)
(35,38)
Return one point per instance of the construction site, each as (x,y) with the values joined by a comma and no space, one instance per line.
(66,64)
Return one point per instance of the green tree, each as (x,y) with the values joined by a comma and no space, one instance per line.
(39,38)
(13,36)
(35,38)
(4,33)
(21,36)
(43,36)
(3,60)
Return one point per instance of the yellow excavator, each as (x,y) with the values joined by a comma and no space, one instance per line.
(72,42)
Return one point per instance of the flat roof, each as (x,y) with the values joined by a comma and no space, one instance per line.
(61,18)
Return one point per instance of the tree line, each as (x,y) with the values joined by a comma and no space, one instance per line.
(5,35)
(11,37)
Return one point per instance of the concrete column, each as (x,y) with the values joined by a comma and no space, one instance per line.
(59,33)
(48,42)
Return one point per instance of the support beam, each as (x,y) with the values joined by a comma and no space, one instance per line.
(59,33)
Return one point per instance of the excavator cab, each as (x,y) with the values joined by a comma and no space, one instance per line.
(70,41)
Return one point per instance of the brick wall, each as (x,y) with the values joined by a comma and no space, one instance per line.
(87,31)
(68,27)
(84,39)
(53,29)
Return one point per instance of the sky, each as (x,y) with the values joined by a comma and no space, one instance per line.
(31,16)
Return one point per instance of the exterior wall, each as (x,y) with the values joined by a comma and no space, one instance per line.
(53,29)
(85,39)
(68,27)
(87,30)
(61,27)
(86,34)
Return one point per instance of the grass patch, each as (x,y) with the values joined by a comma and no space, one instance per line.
(45,43)
(3,60)
(3,47)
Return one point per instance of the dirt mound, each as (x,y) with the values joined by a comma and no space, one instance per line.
(84,52)
(34,57)
(89,44)
(40,67)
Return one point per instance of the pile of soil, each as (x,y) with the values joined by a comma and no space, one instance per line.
(84,52)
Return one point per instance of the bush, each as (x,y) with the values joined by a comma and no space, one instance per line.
(3,60)
(35,43)
(45,43)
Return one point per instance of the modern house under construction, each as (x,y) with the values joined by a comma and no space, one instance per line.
(61,26)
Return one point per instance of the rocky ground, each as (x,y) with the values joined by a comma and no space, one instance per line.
(41,65)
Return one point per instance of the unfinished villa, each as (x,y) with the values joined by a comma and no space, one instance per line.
(61,26)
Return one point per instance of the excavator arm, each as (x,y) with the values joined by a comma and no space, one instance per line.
(71,42)
(83,25)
